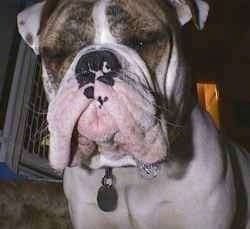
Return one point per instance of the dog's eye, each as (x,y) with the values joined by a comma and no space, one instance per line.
(135,43)
(140,43)
(154,36)
(53,54)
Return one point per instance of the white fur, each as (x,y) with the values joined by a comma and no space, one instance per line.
(28,22)
(166,74)
(100,161)
(184,12)
(102,34)
(203,12)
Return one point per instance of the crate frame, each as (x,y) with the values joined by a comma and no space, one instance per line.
(13,151)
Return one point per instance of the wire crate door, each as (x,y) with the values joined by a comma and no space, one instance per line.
(29,152)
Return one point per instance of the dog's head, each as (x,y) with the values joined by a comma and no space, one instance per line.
(114,76)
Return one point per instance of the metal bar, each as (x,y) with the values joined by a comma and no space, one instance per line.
(20,87)
(34,175)
(40,165)
(11,106)
(22,151)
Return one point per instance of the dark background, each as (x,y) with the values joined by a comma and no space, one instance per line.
(221,54)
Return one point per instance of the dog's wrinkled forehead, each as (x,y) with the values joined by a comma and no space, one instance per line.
(69,27)
(83,19)
(135,18)
(79,23)
(74,25)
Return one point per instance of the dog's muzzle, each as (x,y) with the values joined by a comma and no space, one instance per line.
(103,107)
(101,65)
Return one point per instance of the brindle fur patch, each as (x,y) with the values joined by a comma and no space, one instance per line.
(68,29)
(48,8)
(147,33)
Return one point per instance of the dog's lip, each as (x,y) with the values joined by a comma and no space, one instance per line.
(99,123)
(105,153)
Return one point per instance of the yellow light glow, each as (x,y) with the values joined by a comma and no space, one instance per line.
(208,97)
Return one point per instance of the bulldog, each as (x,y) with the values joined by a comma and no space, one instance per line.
(136,150)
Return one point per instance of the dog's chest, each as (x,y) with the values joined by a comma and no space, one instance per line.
(141,203)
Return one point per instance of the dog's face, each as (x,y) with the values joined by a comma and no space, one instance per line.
(113,74)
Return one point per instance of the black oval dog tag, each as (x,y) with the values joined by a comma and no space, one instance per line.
(107,196)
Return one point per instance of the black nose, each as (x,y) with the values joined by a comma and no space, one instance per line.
(99,65)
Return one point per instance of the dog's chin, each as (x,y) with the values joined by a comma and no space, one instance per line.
(94,141)
(102,161)
(91,155)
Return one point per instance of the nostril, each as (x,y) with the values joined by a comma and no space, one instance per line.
(89,92)
(102,100)
(85,78)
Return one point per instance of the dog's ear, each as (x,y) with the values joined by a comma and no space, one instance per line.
(28,23)
(195,10)
(32,20)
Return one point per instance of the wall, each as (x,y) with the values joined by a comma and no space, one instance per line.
(220,54)
(235,86)
(8,11)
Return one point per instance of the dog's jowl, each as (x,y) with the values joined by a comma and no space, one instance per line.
(136,150)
